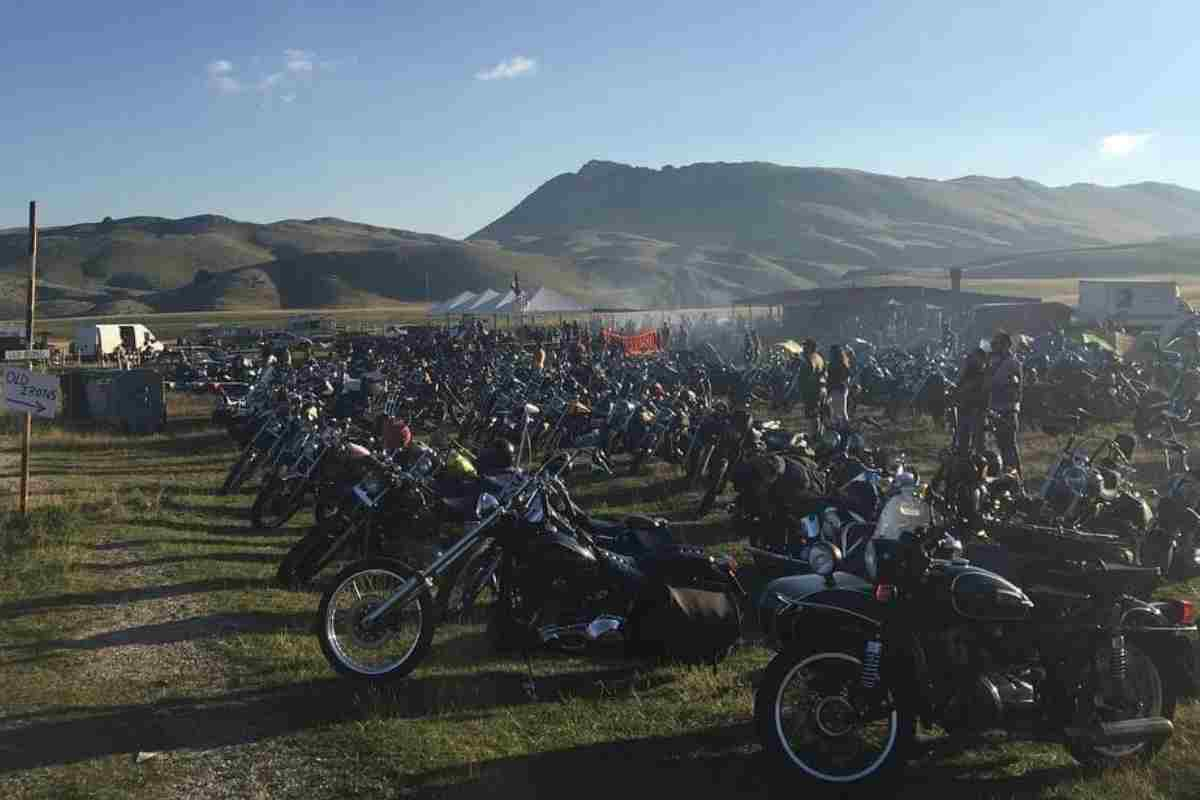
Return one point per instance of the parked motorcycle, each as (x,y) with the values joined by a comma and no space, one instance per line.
(938,641)
(559,589)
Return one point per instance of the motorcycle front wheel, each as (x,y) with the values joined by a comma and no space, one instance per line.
(810,728)
(395,644)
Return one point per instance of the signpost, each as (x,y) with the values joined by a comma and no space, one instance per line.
(26,355)
(32,393)
(27,436)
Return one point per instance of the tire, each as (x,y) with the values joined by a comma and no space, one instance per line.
(714,491)
(1152,690)
(334,644)
(793,762)
(305,559)
(1158,550)
(238,473)
(275,505)
(702,461)
(1183,564)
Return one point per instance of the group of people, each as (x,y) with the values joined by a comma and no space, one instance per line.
(991,384)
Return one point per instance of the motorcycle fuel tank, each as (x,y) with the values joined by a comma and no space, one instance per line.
(983,596)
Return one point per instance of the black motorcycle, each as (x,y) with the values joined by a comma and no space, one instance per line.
(559,589)
(941,642)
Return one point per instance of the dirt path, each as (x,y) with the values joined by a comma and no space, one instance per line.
(151,687)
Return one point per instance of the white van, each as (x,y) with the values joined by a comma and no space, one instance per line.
(92,341)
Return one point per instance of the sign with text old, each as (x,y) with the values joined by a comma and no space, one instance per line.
(28,392)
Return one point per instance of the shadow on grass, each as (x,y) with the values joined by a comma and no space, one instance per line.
(233,558)
(187,442)
(130,544)
(243,717)
(714,762)
(84,599)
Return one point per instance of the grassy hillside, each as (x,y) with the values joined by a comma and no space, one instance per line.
(1173,256)
(613,234)
(149,264)
(704,226)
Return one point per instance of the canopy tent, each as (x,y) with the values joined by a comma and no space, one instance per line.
(480,301)
(446,306)
(499,304)
(541,300)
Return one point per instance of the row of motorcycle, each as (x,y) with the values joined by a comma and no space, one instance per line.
(890,604)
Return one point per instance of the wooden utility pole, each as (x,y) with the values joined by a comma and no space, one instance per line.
(32,297)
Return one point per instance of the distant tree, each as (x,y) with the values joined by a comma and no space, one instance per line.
(107,223)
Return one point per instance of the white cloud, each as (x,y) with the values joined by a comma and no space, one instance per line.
(220,77)
(1123,144)
(269,81)
(512,68)
(298,60)
(298,69)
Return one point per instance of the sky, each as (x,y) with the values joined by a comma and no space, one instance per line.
(439,118)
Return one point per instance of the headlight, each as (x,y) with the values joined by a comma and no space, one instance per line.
(822,558)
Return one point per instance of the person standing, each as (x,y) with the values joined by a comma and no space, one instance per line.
(1006,387)
(972,398)
(811,383)
(839,385)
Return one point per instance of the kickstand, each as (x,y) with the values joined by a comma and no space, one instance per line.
(530,683)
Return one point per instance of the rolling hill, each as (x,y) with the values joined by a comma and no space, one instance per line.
(148,264)
(702,224)
(611,233)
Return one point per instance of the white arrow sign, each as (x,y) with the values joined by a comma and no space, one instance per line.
(26,355)
(31,393)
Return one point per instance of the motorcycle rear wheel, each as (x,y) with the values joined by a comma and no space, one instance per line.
(1146,683)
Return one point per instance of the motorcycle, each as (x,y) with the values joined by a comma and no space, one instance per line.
(930,639)
(559,590)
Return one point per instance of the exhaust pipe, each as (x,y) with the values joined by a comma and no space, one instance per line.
(1130,731)
(604,628)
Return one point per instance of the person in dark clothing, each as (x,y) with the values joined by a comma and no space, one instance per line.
(972,397)
(1006,386)
(838,374)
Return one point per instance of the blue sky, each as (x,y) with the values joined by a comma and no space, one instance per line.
(439,118)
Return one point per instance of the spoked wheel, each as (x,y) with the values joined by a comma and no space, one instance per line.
(807,711)
(395,644)
(1143,695)
(277,502)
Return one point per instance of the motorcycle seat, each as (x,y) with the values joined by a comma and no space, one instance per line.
(1109,579)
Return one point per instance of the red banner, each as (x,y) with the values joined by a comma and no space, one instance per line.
(646,342)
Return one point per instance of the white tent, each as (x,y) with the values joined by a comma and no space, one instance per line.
(500,304)
(456,304)
(446,305)
(481,300)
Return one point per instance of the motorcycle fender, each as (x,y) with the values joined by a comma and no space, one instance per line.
(1174,648)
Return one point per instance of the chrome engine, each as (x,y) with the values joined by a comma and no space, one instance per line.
(604,630)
